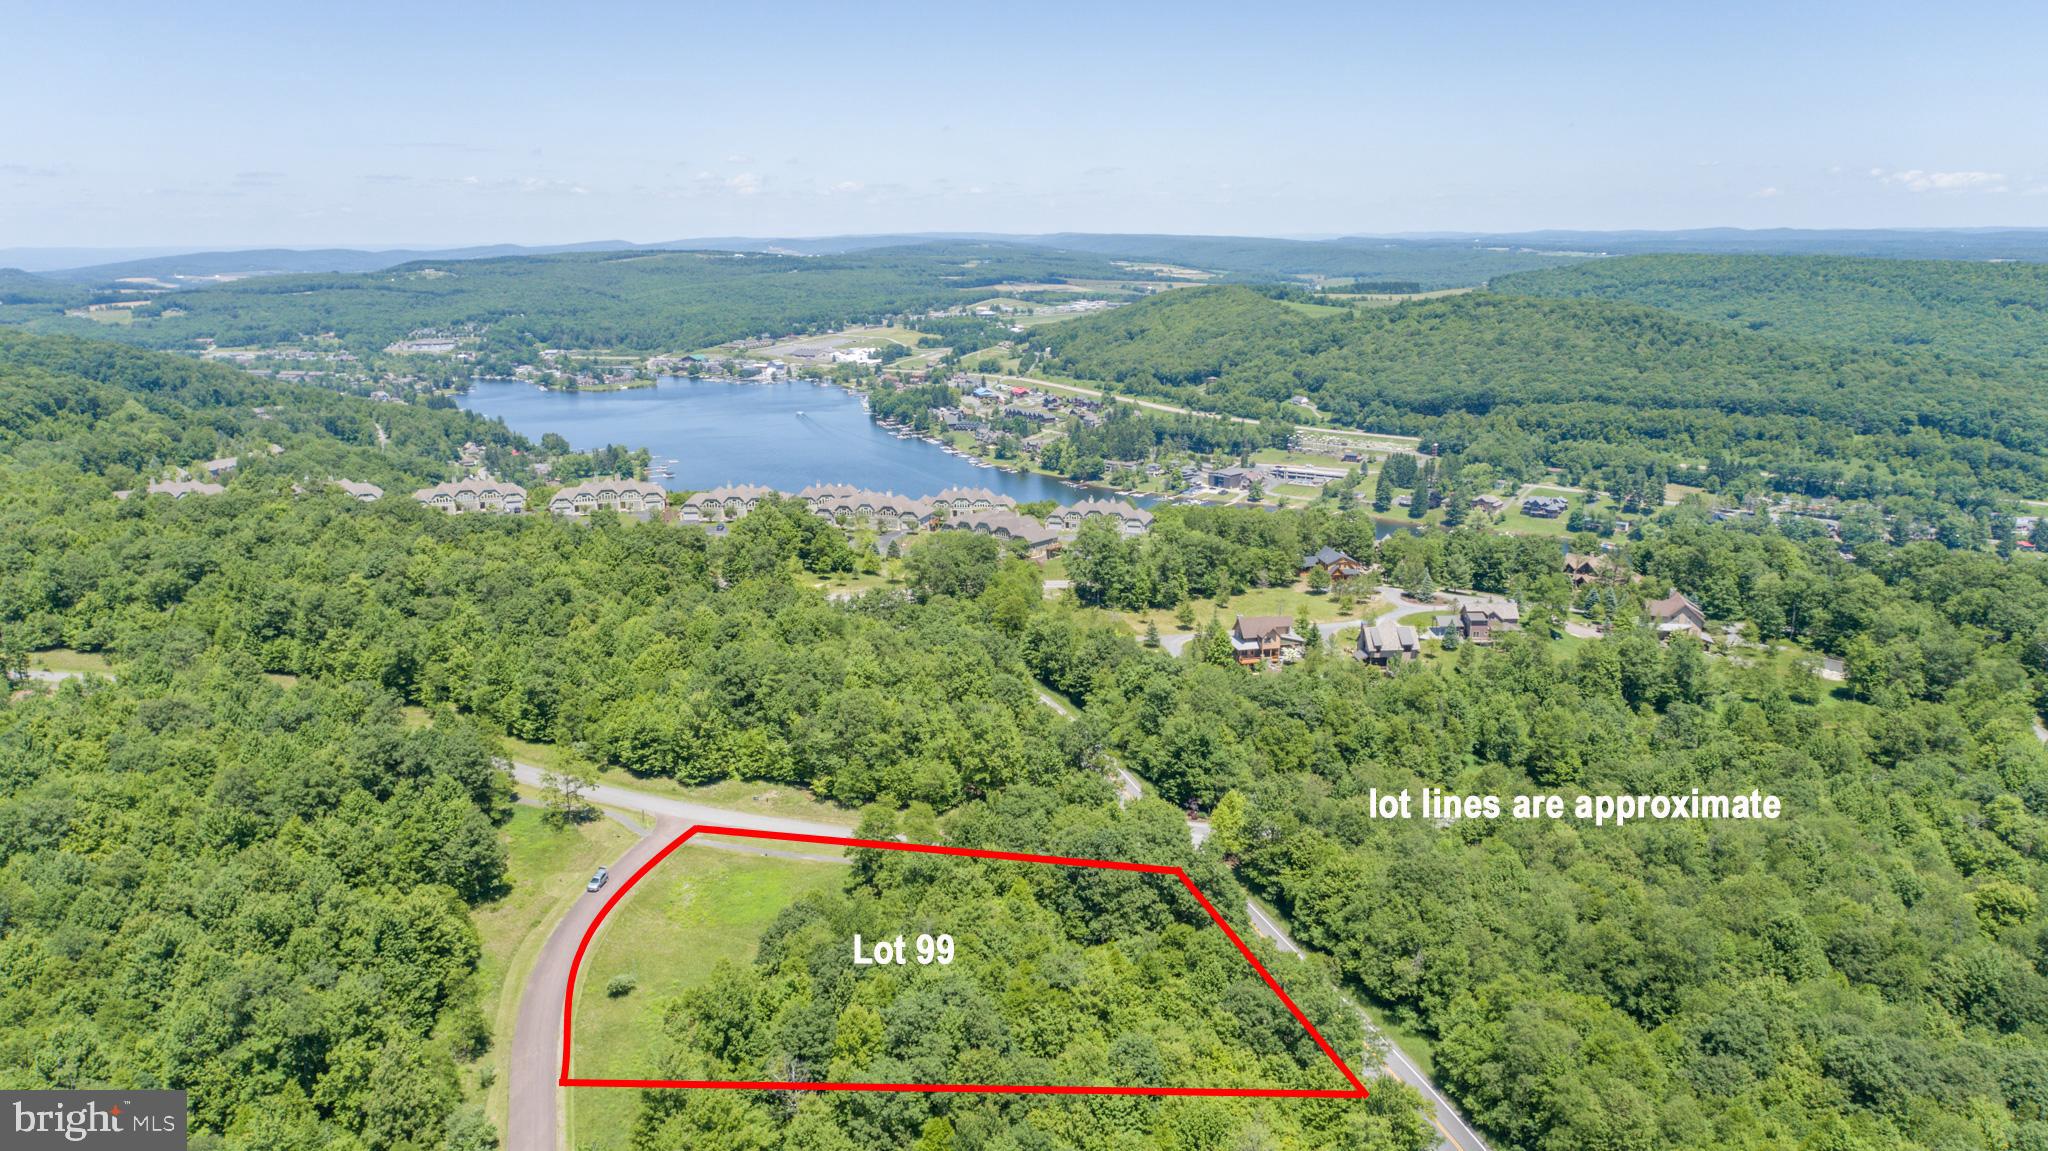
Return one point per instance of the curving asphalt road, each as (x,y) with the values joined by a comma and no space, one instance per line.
(534,1121)
(1455,1133)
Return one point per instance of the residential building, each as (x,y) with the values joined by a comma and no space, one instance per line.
(1677,613)
(1261,639)
(221,466)
(971,499)
(729,502)
(179,489)
(1479,623)
(1545,507)
(478,493)
(1387,642)
(1339,565)
(631,497)
(855,507)
(1582,570)
(1492,505)
(363,492)
(1039,539)
(1130,519)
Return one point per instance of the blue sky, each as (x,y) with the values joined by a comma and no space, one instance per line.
(238,124)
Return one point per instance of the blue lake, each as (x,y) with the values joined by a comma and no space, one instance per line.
(786,436)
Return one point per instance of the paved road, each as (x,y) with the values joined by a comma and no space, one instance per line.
(1128,789)
(48,676)
(1454,1131)
(662,806)
(534,1121)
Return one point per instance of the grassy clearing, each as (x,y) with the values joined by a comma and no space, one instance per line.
(699,907)
(1290,456)
(1414,1044)
(856,583)
(65,659)
(1308,309)
(1287,601)
(547,867)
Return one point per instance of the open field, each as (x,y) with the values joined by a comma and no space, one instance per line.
(65,659)
(1513,519)
(845,339)
(700,907)
(1308,309)
(1288,601)
(1387,299)
(1290,456)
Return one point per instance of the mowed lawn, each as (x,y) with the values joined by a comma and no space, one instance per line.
(702,905)
(1325,607)
(64,659)
(546,868)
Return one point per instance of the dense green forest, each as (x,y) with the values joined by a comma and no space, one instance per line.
(635,300)
(205,875)
(1592,387)
(1998,311)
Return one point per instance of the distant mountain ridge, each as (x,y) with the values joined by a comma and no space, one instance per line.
(1454,258)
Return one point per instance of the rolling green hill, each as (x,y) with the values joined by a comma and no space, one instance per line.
(1997,311)
(1587,385)
(627,300)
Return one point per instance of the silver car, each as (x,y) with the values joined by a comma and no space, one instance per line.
(598,881)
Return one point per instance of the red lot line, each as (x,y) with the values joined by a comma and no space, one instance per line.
(1356,1091)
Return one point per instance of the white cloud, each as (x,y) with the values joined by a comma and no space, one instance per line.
(744,184)
(525,185)
(1767,193)
(1918,180)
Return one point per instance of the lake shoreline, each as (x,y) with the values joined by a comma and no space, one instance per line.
(705,433)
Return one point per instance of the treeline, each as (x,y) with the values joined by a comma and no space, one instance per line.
(644,301)
(1068,977)
(1867,972)
(125,417)
(256,895)
(1590,387)
(1993,311)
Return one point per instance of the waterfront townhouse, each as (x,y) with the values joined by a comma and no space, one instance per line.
(1130,519)
(475,494)
(629,497)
